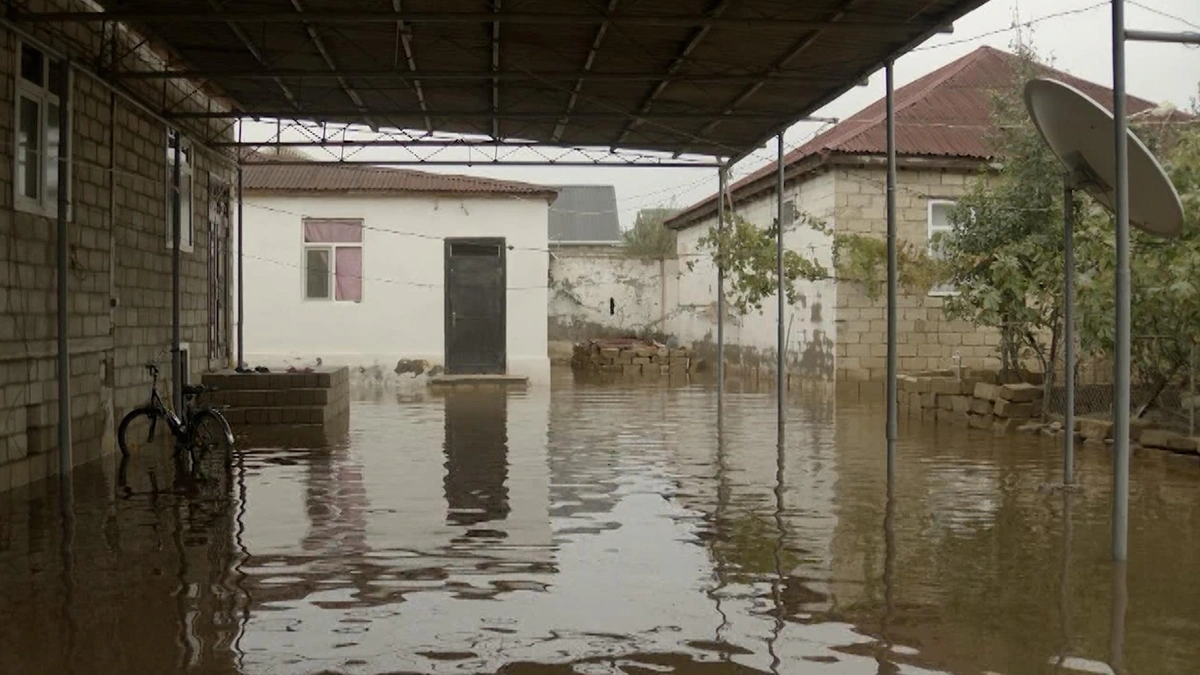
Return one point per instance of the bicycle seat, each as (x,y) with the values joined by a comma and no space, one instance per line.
(194,389)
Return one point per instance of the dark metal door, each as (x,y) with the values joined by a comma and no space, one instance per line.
(475,307)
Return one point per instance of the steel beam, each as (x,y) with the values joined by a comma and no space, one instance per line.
(781,304)
(467,114)
(1189,38)
(681,58)
(404,37)
(65,453)
(319,44)
(1121,360)
(258,55)
(532,18)
(608,163)
(272,72)
(893,274)
(496,20)
(722,185)
(601,31)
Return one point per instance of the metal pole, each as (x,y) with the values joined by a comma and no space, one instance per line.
(722,178)
(241,279)
(1069,325)
(65,461)
(176,289)
(1189,38)
(1192,389)
(781,340)
(892,271)
(1120,512)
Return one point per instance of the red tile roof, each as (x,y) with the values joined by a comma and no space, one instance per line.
(343,178)
(946,113)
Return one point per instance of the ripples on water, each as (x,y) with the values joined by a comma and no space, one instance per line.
(605,529)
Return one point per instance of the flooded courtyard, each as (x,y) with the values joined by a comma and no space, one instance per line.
(594,528)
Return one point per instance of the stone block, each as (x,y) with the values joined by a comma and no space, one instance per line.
(1017,411)
(641,361)
(644,352)
(947,386)
(1169,440)
(929,415)
(1094,430)
(904,383)
(922,385)
(946,402)
(1021,392)
(981,421)
(929,401)
(961,404)
(631,369)
(986,391)
(980,406)
(959,419)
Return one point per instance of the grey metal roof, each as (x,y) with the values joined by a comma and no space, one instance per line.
(708,77)
(585,213)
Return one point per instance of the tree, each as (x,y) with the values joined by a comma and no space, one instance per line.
(649,236)
(1163,278)
(747,253)
(1005,250)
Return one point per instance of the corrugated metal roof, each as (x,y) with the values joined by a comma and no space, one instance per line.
(709,77)
(333,177)
(585,213)
(946,113)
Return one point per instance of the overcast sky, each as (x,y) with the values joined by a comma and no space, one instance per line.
(1078,42)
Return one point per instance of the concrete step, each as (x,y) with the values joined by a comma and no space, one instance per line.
(287,416)
(328,378)
(271,398)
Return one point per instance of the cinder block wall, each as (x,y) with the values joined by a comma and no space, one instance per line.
(119,282)
(927,338)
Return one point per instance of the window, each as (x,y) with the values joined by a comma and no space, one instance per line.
(939,226)
(187,229)
(333,260)
(38,145)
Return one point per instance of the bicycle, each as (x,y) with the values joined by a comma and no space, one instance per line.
(201,430)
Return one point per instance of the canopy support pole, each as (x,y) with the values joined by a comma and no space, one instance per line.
(892,275)
(781,298)
(1120,509)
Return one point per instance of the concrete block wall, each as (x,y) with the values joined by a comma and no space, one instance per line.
(602,291)
(927,339)
(119,267)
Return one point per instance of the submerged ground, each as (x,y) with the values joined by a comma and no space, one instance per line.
(596,528)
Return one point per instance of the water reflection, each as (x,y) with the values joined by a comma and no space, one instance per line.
(607,528)
(476,458)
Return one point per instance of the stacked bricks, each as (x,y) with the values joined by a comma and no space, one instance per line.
(975,400)
(252,401)
(631,357)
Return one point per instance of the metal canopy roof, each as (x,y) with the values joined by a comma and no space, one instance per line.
(709,77)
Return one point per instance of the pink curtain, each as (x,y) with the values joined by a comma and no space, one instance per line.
(348,273)
(332,231)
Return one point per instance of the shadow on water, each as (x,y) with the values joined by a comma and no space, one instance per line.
(603,527)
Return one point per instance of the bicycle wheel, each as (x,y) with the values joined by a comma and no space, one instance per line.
(210,440)
(142,428)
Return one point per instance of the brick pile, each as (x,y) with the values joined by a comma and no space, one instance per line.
(253,401)
(631,356)
(976,400)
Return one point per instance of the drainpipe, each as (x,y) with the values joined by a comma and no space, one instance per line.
(176,289)
(65,461)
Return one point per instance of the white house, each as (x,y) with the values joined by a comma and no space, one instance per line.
(394,271)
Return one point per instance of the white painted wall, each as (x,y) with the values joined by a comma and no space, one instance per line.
(596,290)
(401,315)
(692,305)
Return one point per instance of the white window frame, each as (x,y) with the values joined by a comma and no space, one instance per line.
(187,210)
(937,291)
(41,94)
(305,247)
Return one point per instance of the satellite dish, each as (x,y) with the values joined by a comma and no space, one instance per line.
(1080,132)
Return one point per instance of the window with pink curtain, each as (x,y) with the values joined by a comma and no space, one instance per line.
(347,273)
(344,237)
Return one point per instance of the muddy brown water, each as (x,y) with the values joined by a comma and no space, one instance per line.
(606,529)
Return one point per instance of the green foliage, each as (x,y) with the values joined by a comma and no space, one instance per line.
(649,236)
(1005,251)
(747,253)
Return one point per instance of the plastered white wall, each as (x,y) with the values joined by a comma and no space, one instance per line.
(401,315)
(809,324)
(598,291)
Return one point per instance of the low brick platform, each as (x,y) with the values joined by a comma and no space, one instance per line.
(631,356)
(279,399)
